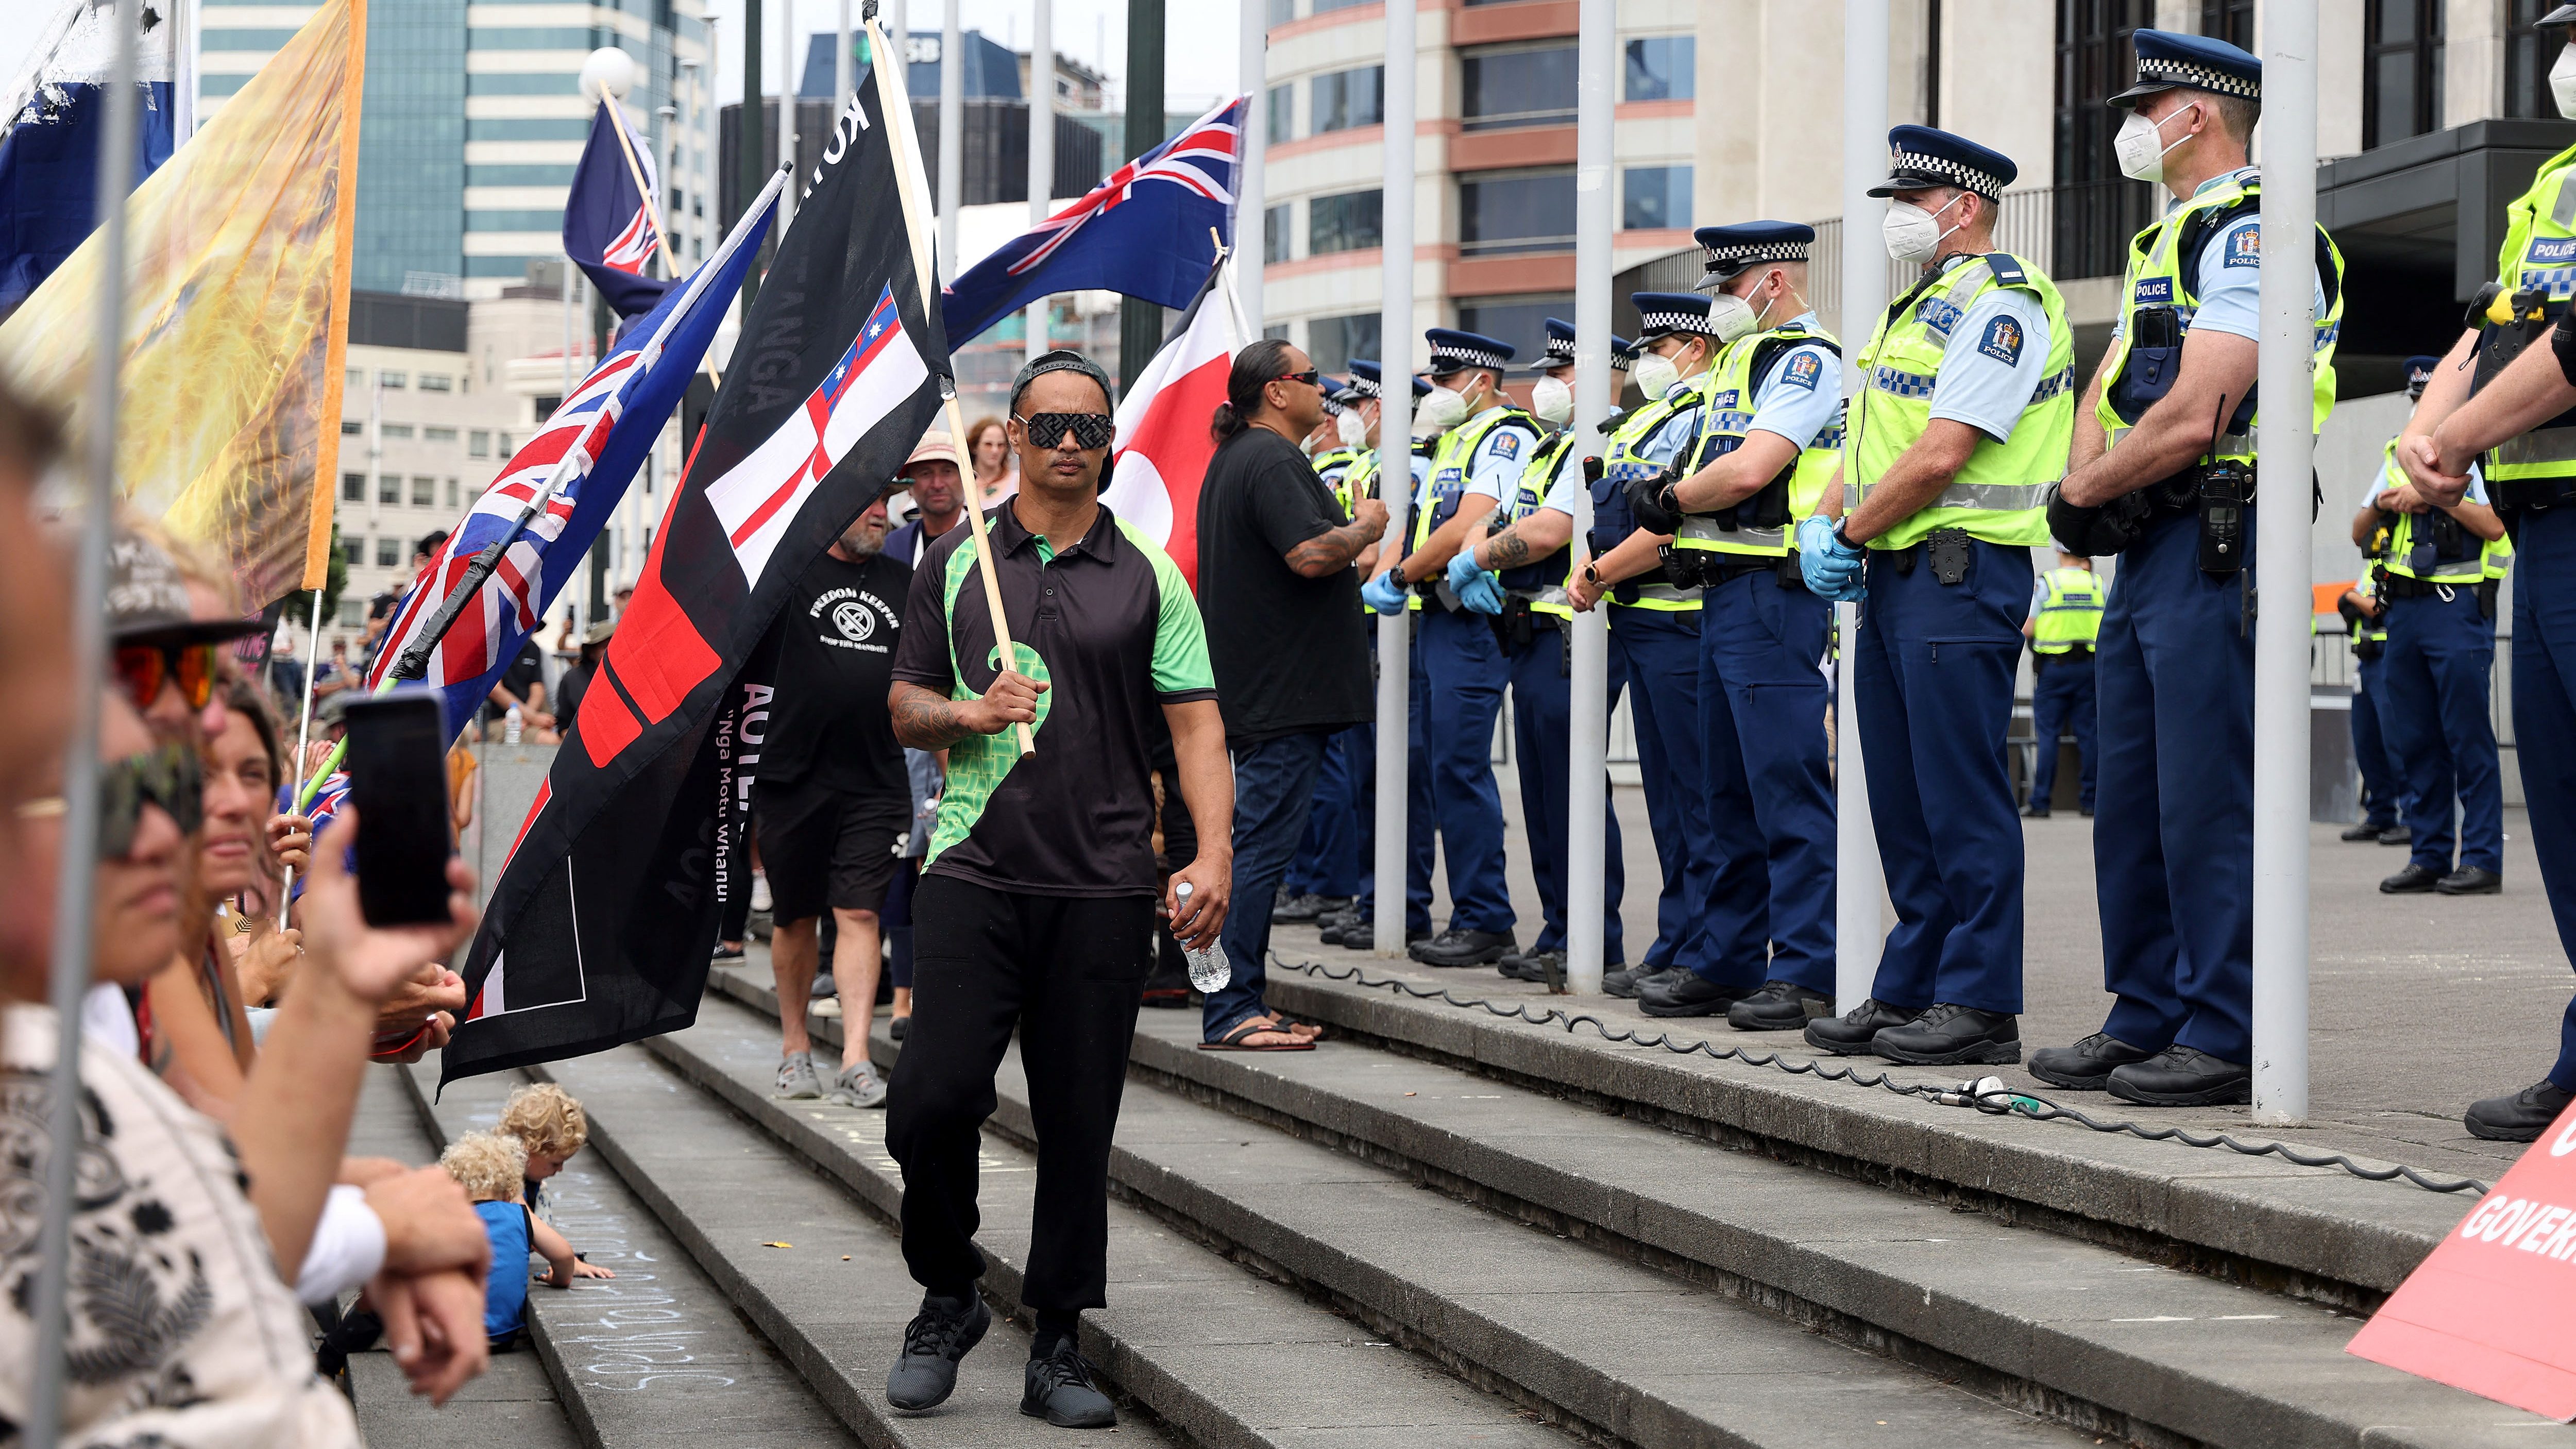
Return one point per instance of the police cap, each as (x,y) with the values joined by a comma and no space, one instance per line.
(2167,60)
(1919,158)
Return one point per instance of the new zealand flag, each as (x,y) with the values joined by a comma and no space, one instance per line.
(607,228)
(600,925)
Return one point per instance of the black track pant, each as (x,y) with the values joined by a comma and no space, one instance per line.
(986,961)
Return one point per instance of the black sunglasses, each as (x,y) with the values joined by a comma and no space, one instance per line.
(168,777)
(1090,430)
(1312,377)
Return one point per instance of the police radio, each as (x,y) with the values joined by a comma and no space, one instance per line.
(2226,487)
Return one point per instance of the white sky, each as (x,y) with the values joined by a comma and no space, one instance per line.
(1199,35)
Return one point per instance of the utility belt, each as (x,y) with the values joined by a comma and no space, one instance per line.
(2366,650)
(2399,586)
(2216,492)
(1518,626)
(2515,497)
(1700,568)
(1946,550)
(2076,654)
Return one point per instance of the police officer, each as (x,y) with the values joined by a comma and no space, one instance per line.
(2517,364)
(1654,628)
(2173,842)
(1459,669)
(1353,758)
(1771,436)
(1963,417)
(1531,558)
(2437,584)
(2065,615)
(2365,617)
(1324,875)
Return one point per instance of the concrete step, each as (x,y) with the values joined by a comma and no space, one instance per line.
(2317,1233)
(655,1356)
(1622,1351)
(1222,1357)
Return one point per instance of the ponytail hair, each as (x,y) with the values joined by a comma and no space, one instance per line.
(1255,367)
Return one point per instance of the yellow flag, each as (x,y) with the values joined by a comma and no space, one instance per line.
(237,272)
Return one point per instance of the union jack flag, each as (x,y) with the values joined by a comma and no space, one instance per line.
(631,250)
(607,224)
(1140,233)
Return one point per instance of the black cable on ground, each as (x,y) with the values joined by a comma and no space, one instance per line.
(1994,1101)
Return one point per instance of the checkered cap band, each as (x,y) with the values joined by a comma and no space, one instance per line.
(1675,320)
(1736,255)
(1957,173)
(2199,77)
(1458,359)
(1364,386)
(1560,352)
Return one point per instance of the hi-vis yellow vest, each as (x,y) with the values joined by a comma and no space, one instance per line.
(1996,496)
(2539,255)
(2407,556)
(1729,392)
(2164,267)
(2070,611)
(1543,581)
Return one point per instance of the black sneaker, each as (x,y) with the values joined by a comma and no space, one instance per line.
(1061,1392)
(897,1026)
(2521,1117)
(1850,1034)
(1456,947)
(1779,1006)
(2364,831)
(2182,1076)
(939,1335)
(2087,1065)
(2470,880)
(1623,982)
(2397,835)
(1541,968)
(726,953)
(1688,994)
(1951,1035)
(2414,880)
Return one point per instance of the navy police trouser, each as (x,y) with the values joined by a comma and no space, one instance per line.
(1542,728)
(1655,653)
(2544,718)
(1933,686)
(2173,828)
(1762,698)
(1458,678)
(2383,784)
(2062,699)
(2439,671)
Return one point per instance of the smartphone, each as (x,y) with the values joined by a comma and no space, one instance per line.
(397,766)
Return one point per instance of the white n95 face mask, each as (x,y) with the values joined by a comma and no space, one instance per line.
(1553,401)
(1654,375)
(2562,81)
(1731,317)
(1442,410)
(1912,234)
(1349,428)
(2140,147)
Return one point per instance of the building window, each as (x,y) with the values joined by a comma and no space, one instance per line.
(1659,68)
(353,551)
(2529,51)
(1282,119)
(353,487)
(478,443)
(1274,232)
(388,553)
(434,382)
(1324,7)
(397,430)
(357,377)
(1520,321)
(2095,209)
(1657,197)
(2228,20)
(350,427)
(505,445)
(1281,12)
(1348,98)
(438,435)
(1526,212)
(1334,341)
(1343,223)
(1524,87)
(424,492)
(451,493)
(389,379)
(2401,70)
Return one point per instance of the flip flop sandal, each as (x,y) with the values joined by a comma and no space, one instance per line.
(1235,1040)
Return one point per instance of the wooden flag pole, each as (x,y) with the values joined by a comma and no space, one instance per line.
(897,105)
(653,212)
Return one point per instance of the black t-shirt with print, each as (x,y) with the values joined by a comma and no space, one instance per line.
(836,640)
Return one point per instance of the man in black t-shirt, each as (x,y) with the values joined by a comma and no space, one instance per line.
(832,802)
(1289,645)
(522,684)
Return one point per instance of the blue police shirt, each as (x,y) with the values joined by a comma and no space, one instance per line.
(1677,431)
(1803,394)
(1495,468)
(1995,357)
(2231,269)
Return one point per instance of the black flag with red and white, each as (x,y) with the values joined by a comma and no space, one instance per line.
(600,926)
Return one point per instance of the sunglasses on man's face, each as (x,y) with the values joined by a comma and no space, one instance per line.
(1312,377)
(1091,431)
(142,670)
(168,777)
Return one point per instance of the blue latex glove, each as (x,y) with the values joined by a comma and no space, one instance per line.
(1383,593)
(1832,568)
(1480,593)
(1462,567)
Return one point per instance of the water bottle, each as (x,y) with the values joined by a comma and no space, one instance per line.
(510,727)
(1210,971)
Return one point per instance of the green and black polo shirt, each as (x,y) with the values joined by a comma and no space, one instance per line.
(1110,627)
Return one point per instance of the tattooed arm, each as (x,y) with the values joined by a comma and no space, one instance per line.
(1333,550)
(1535,536)
(925,721)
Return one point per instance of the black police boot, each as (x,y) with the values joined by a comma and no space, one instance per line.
(1688,994)
(2414,880)
(1779,1006)
(938,1336)
(1850,1034)
(1059,1389)
(1952,1035)
(1623,982)
(2521,1117)
(2035,810)
(1459,947)
(2085,1066)
(1538,967)
(2470,880)
(2397,835)
(1304,909)
(2364,831)
(2183,1076)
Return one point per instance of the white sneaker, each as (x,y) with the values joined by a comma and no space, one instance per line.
(859,1086)
(796,1079)
(760,900)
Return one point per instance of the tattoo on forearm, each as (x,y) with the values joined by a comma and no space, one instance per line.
(1331,550)
(1507,550)
(925,721)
